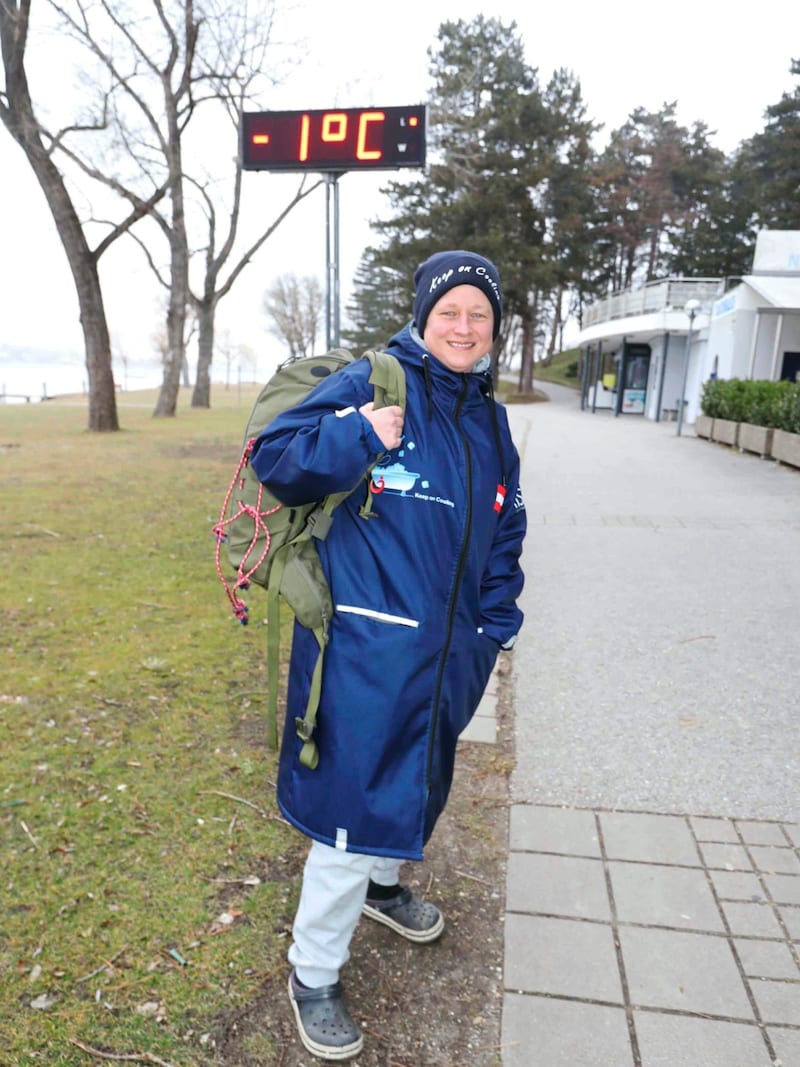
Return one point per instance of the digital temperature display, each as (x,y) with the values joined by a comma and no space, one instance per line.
(341,139)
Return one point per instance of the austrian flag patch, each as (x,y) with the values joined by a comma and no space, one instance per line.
(499,497)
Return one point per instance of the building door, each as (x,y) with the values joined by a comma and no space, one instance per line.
(790,371)
(635,375)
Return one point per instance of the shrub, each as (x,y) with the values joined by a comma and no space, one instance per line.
(760,403)
(733,400)
(710,398)
(788,407)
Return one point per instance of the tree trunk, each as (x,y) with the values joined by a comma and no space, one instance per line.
(201,396)
(102,391)
(555,327)
(526,366)
(97,344)
(167,403)
(102,394)
(528,347)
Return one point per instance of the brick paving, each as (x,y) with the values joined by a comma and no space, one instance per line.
(653,880)
(630,936)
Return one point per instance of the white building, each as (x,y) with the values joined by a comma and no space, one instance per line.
(664,340)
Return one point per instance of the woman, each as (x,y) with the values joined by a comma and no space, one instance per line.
(425,595)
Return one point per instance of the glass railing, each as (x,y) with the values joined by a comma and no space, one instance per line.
(670,294)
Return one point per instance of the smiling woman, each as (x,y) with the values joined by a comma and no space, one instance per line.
(424,599)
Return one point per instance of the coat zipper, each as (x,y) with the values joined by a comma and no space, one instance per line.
(462,558)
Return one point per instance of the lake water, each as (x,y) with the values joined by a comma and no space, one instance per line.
(37,379)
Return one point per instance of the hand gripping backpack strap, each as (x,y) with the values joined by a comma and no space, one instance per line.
(388,380)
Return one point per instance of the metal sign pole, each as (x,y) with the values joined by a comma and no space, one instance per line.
(335,276)
(691,308)
(332,311)
(328,290)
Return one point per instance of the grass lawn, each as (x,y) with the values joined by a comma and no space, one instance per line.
(562,370)
(144,879)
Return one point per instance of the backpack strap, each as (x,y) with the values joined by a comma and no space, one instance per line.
(388,379)
(273,646)
(309,756)
(389,382)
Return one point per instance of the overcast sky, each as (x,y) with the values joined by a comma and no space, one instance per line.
(723,64)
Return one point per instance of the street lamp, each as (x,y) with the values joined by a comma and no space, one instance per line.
(691,307)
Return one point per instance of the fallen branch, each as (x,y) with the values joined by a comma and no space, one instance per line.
(247,880)
(102,967)
(239,800)
(374,1033)
(29,835)
(36,526)
(474,878)
(128,1057)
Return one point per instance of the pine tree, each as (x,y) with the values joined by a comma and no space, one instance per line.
(773,160)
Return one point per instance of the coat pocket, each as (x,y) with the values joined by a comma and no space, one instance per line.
(469,667)
(378,616)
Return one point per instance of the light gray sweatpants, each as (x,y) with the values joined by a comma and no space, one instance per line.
(332,896)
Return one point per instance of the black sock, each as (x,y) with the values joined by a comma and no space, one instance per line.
(382,892)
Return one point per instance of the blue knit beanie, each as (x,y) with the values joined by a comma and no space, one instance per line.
(444,271)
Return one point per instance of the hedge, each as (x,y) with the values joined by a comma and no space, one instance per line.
(761,403)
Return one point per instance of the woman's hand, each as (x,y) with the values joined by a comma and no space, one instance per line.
(386,422)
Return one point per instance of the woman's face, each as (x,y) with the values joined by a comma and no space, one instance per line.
(458,331)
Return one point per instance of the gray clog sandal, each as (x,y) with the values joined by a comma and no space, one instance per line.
(407,915)
(325,1025)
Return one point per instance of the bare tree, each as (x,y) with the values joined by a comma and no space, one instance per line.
(150,67)
(18,116)
(153,80)
(293,307)
(193,54)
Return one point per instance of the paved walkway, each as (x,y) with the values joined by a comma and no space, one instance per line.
(653,890)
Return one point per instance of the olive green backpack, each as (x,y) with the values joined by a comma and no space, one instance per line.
(274,545)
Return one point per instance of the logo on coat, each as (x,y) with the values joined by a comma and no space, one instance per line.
(395,478)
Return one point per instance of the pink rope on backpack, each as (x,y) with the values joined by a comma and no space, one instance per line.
(243,574)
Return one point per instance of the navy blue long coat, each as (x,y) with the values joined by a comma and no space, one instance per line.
(424,595)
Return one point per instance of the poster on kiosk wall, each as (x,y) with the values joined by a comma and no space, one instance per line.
(633,401)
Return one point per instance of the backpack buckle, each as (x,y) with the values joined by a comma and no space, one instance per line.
(319,523)
(304,729)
